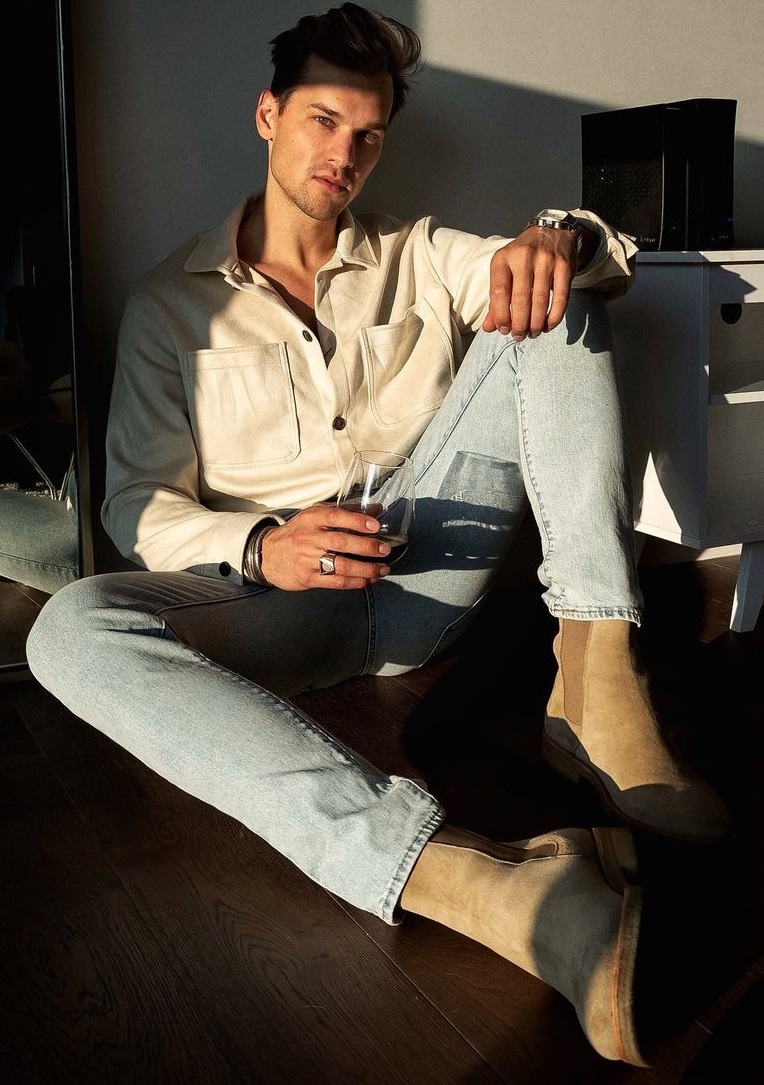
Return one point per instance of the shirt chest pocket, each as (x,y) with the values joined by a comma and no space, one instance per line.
(408,367)
(241,405)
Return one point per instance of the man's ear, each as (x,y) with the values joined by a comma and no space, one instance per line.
(266,114)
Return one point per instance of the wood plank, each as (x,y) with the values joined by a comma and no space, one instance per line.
(292,989)
(527,1031)
(733,1053)
(189,923)
(89,994)
(19,607)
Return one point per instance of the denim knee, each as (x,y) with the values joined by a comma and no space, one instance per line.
(62,635)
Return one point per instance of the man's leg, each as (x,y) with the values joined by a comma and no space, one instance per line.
(110,648)
(38,541)
(536,422)
(124,651)
(544,418)
(208,717)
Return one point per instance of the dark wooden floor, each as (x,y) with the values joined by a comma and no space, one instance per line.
(147,938)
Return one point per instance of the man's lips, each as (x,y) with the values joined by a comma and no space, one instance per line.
(331,184)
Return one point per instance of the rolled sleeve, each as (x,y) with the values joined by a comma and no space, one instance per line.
(612,267)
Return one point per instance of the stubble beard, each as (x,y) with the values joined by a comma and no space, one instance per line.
(310,198)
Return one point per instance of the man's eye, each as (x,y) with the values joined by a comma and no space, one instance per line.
(371,137)
(326,121)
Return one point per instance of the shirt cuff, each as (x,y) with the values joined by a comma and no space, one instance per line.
(612,267)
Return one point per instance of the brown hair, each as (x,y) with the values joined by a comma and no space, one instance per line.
(349,37)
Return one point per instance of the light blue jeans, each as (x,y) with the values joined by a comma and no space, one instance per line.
(39,541)
(189,673)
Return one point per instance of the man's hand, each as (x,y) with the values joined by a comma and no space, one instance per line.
(291,552)
(530,282)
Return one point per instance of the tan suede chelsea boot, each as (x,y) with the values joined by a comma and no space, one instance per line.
(600,725)
(561,906)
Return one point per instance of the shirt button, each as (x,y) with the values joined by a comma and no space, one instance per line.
(224,568)
(339,422)
(307,336)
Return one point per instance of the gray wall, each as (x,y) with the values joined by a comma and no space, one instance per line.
(165,92)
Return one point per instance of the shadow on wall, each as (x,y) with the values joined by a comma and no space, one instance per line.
(484,156)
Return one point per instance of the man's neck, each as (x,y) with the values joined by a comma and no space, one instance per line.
(288,248)
(274,235)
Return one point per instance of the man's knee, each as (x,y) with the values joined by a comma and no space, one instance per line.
(67,621)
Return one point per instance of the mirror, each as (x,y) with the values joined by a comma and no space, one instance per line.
(43,467)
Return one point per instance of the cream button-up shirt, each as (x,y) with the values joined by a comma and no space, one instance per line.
(226,407)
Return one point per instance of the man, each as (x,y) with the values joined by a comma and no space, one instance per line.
(252,363)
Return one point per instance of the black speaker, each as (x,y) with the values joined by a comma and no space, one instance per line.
(663,173)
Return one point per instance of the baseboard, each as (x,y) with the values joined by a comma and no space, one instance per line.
(661,552)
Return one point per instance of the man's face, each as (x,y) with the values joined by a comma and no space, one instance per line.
(328,138)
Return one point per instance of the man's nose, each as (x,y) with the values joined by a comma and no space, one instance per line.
(342,150)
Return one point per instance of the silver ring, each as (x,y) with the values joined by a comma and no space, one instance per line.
(326,564)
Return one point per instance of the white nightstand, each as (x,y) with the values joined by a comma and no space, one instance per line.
(689,338)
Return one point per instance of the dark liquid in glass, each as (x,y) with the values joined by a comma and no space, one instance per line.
(398,543)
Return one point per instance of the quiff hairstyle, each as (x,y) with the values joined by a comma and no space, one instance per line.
(349,37)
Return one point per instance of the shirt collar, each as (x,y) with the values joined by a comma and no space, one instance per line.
(215,250)
(353,244)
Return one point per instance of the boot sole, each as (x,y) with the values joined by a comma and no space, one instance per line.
(618,861)
(567,765)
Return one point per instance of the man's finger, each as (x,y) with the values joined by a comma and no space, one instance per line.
(560,295)
(489,324)
(501,300)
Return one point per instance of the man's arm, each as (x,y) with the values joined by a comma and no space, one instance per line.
(152,508)
(532,276)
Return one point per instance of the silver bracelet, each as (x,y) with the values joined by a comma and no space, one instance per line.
(253,555)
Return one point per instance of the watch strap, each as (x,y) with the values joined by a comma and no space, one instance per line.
(569,223)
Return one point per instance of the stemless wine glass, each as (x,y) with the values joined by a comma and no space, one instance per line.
(381,484)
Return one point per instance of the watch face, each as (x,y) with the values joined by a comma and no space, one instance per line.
(552,218)
(554,215)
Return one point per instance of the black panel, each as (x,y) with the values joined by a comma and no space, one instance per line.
(663,173)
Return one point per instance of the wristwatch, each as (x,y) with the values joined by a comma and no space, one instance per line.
(554,219)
